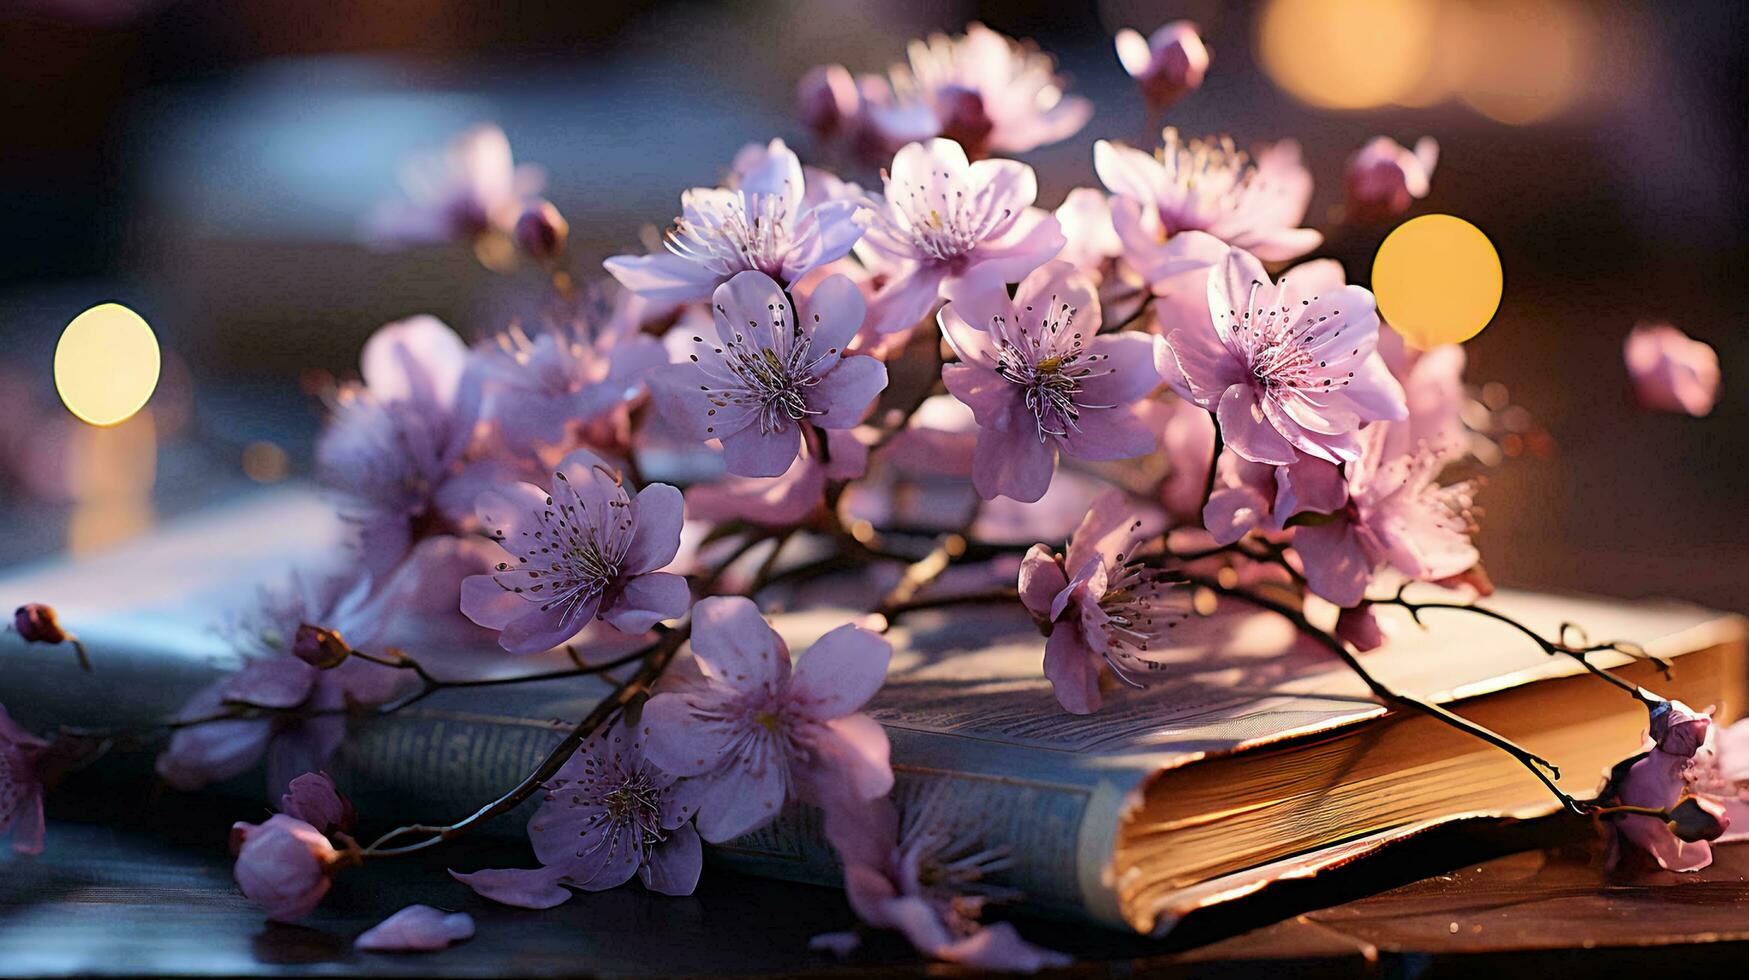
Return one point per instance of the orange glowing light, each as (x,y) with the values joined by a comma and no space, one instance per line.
(1438,280)
(1347,54)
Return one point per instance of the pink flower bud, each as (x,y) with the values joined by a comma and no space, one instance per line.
(1167,65)
(315,800)
(320,648)
(36,623)
(1670,371)
(1678,729)
(283,865)
(1384,177)
(542,231)
(1360,628)
(1699,818)
(827,98)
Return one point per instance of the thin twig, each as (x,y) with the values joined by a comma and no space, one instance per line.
(1538,766)
(655,661)
(1550,647)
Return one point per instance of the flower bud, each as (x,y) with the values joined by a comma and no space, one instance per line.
(314,799)
(1698,818)
(284,865)
(36,623)
(542,231)
(1678,729)
(320,648)
(1670,371)
(1384,177)
(827,98)
(1167,65)
(1360,628)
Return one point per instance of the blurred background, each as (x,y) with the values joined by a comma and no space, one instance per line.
(209,165)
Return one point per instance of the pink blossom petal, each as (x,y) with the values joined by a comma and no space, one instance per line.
(419,359)
(1198,366)
(489,604)
(1248,430)
(534,888)
(853,755)
(905,301)
(1035,239)
(657,514)
(844,395)
(538,630)
(750,452)
(1013,461)
(1129,357)
(1041,579)
(663,277)
(736,802)
(27,823)
(1336,565)
(647,600)
(416,929)
(675,864)
(1124,432)
(834,311)
(840,672)
(999,947)
(678,741)
(1073,669)
(735,645)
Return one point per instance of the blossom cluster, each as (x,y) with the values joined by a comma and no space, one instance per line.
(1169,325)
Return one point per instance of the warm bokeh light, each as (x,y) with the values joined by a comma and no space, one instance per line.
(1524,59)
(1347,54)
(1438,280)
(265,462)
(106,364)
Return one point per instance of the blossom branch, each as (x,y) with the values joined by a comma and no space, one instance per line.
(655,660)
(1544,770)
(1550,647)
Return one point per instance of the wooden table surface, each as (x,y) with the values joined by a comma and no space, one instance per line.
(132,885)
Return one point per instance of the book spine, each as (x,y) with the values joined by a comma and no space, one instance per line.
(438,766)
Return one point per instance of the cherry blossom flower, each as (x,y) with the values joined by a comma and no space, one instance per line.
(21,790)
(393,451)
(470,187)
(541,232)
(987,92)
(769,371)
(1187,436)
(273,677)
(1210,186)
(1285,370)
(538,386)
(1167,64)
(1396,515)
(608,814)
(284,865)
(1359,628)
(1657,780)
(1433,391)
(1670,371)
(585,550)
(1105,609)
(768,222)
(416,929)
(754,733)
(1040,379)
(1384,178)
(943,219)
(924,875)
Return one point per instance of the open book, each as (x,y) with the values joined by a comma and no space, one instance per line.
(1237,768)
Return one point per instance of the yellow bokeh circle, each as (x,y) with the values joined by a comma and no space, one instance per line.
(1437,279)
(1347,54)
(106,364)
